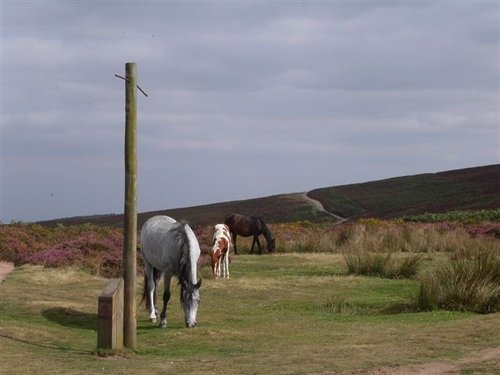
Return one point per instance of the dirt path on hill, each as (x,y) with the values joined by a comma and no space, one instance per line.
(319,206)
(492,356)
(5,269)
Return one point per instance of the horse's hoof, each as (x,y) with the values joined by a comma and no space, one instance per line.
(163,325)
(152,320)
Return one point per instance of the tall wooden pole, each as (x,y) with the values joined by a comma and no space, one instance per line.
(130,226)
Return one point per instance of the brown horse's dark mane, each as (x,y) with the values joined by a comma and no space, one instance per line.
(265,230)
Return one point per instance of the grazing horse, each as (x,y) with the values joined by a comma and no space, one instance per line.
(249,226)
(220,250)
(170,248)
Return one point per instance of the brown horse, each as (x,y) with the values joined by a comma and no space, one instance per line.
(247,226)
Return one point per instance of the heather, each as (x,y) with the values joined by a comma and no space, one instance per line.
(432,253)
(99,248)
(93,248)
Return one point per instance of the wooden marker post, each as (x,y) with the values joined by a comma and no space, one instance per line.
(130,225)
(110,316)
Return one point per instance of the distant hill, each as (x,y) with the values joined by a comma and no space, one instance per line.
(276,208)
(462,189)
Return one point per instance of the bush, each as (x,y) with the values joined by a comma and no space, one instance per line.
(467,284)
(362,262)
(465,217)
(303,237)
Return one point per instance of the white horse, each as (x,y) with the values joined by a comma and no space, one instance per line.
(220,250)
(170,249)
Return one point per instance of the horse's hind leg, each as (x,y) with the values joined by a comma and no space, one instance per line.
(150,292)
(166,297)
(157,313)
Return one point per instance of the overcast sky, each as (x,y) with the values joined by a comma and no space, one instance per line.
(246,99)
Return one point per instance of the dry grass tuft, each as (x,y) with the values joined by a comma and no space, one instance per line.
(463,284)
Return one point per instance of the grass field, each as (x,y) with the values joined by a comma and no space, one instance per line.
(282,314)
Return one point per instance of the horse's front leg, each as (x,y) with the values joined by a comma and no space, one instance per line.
(166,297)
(226,265)
(256,241)
(217,267)
(226,258)
(235,249)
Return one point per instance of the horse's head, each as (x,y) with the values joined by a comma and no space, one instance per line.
(271,245)
(190,299)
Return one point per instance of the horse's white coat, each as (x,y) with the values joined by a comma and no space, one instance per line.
(221,231)
(161,251)
(154,235)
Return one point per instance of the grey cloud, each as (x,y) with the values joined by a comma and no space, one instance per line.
(276,93)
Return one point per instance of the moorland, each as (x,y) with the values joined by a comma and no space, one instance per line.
(409,284)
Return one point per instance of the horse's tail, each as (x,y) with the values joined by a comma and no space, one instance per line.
(145,291)
(156,279)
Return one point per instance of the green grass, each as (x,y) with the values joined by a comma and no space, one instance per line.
(281,314)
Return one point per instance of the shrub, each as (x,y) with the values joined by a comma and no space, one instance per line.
(97,249)
(304,237)
(465,217)
(467,283)
(99,254)
(361,262)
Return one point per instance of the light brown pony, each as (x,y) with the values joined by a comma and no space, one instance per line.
(220,251)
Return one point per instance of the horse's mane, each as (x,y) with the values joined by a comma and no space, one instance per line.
(265,230)
(182,239)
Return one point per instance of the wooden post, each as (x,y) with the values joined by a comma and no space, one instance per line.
(130,224)
(110,316)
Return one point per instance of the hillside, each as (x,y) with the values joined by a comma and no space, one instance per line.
(463,189)
(273,209)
